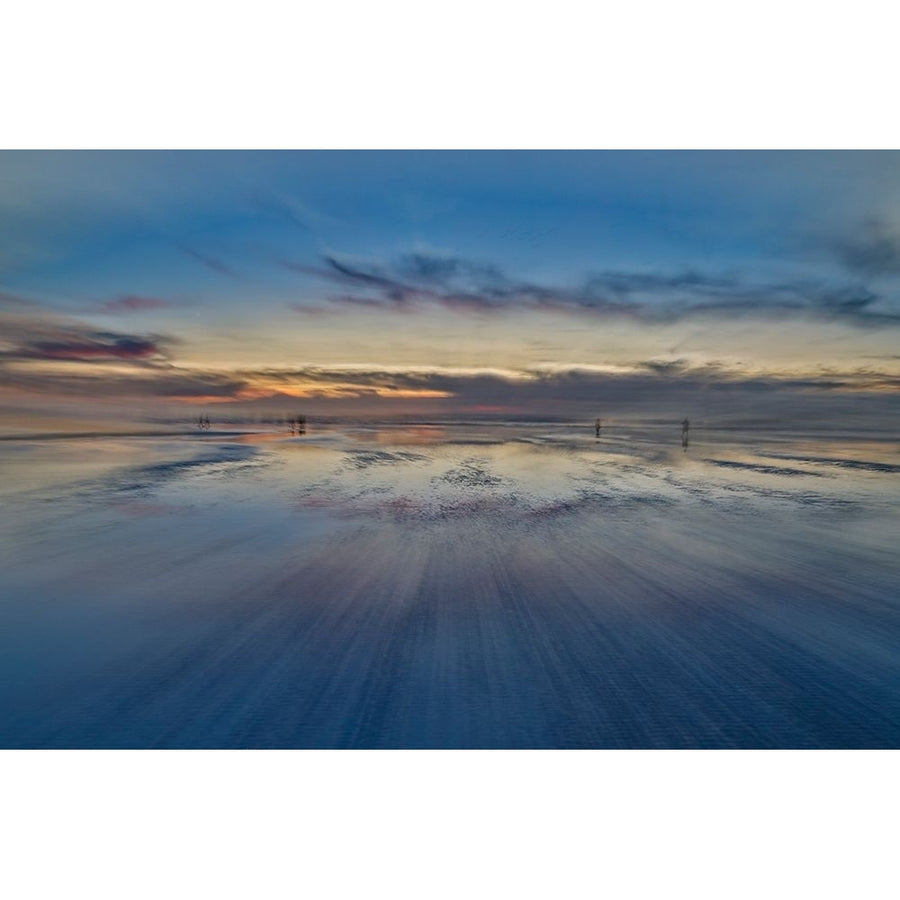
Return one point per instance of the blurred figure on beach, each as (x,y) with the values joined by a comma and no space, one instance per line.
(597,425)
(685,429)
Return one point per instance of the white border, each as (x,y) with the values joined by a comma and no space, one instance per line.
(465,824)
(468,74)
(474,73)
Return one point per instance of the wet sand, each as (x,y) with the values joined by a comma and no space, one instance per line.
(474,587)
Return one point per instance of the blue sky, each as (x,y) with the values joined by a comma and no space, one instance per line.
(436,283)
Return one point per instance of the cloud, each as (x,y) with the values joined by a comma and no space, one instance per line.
(417,281)
(872,249)
(14,301)
(129,304)
(50,355)
(90,347)
(569,390)
(295,211)
(45,337)
(650,387)
(44,354)
(170,384)
(210,262)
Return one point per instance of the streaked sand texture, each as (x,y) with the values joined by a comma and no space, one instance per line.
(474,587)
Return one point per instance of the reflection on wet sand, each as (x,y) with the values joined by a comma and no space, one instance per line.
(451,586)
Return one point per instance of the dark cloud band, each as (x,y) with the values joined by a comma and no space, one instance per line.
(419,280)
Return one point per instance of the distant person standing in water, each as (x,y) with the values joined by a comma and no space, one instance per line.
(597,426)
(685,428)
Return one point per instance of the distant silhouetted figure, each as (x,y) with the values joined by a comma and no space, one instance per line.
(685,429)
(597,425)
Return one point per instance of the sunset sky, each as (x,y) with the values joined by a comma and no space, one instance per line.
(150,286)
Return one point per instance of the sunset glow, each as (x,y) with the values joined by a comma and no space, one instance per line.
(410,284)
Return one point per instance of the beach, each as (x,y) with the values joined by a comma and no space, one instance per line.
(476,585)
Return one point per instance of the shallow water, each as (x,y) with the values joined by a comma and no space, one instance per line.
(451,586)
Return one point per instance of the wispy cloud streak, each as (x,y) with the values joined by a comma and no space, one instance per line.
(420,280)
(130,304)
(872,249)
(210,262)
(27,338)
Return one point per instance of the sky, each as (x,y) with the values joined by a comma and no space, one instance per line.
(722,285)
